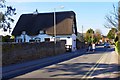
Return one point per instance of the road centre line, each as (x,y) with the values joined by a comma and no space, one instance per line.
(85,76)
(97,66)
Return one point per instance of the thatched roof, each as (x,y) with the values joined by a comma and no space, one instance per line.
(33,23)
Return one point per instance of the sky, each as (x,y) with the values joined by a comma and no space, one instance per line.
(88,14)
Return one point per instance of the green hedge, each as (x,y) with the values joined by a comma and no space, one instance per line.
(118,47)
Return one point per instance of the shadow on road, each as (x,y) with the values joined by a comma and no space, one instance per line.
(73,69)
(78,69)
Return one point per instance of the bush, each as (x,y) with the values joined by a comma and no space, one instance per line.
(118,47)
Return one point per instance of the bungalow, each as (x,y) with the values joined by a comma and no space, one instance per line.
(40,27)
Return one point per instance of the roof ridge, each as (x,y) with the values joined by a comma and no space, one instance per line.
(49,12)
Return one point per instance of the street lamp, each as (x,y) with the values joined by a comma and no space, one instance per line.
(54,26)
(55,23)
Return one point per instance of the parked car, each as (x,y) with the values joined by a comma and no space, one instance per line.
(106,45)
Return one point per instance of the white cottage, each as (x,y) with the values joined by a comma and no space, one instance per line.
(40,27)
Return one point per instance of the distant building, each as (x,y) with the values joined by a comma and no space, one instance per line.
(105,39)
(40,27)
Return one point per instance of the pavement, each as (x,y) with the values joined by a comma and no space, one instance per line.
(22,68)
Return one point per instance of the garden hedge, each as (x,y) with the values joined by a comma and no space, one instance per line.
(118,47)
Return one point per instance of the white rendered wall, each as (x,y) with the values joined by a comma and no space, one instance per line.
(70,39)
(42,36)
(65,37)
(27,38)
(73,42)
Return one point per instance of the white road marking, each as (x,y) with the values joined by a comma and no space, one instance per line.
(93,68)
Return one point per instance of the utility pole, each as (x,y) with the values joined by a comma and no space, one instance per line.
(81,35)
(82,31)
(55,33)
(55,25)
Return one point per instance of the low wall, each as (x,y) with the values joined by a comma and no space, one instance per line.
(80,45)
(20,52)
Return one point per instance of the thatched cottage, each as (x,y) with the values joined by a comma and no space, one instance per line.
(40,27)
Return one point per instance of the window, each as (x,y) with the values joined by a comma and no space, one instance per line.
(57,38)
(37,39)
(24,32)
(19,40)
(68,37)
(31,40)
(42,32)
(47,39)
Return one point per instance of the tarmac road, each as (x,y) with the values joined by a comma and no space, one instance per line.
(102,63)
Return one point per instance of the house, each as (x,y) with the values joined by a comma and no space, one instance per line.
(39,27)
(104,39)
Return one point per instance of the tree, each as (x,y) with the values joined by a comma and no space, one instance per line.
(111,33)
(118,33)
(112,19)
(6,17)
(89,35)
(93,36)
(97,35)
(1,18)
(6,38)
(119,16)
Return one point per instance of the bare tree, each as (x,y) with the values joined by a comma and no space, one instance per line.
(119,16)
(112,19)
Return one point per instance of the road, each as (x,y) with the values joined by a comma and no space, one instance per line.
(99,64)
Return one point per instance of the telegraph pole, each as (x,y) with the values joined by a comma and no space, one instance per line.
(82,31)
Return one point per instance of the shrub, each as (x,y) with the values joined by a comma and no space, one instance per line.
(118,47)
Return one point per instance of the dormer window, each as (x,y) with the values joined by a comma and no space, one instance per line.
(23,32)
(42,32)
(36,12)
